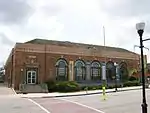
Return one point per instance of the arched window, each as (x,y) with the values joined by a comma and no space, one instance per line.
(95,70)
(79,70)
(123,71)
(110,71)
(61,69)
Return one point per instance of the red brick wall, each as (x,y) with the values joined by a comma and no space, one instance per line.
(51,60)
(46,67)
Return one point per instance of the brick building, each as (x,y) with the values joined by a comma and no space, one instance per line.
(38,60)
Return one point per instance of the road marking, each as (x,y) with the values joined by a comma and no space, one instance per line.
(83,105)
(44,109)
(14,91)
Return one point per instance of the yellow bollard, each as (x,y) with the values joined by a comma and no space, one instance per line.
(104,93)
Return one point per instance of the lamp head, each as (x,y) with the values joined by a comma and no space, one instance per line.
(140,28)
(21,70)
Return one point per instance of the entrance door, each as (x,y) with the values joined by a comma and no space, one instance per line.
(31,77)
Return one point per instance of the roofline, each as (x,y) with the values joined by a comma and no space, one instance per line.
(82,44)
(10,55)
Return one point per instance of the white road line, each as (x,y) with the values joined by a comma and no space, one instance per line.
(44,109)
(14,91)
(99,111)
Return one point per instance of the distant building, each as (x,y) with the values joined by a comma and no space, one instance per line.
(38,61)
(148,70)
(2,74)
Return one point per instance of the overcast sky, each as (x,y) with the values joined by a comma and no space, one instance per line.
(73,20)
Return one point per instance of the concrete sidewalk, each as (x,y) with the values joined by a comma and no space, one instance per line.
(56,94)
(4,90)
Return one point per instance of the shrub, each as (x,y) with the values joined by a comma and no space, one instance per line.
(51,86)
(131,83)
(110,87)
(132,78)
(62,86)
(67,86)
(95,87)
(114,86)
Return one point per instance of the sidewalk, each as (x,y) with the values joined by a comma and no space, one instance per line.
(4,90)
(56,94)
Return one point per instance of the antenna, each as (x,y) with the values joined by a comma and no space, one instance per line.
(104,34)
(104,67)
(104,43)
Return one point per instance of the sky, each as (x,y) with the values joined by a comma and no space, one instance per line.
(73,20)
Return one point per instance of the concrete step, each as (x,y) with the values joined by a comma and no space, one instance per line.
(33,88)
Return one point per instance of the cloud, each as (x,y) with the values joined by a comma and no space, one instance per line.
(1,63)
(126,8)
(5,50)
(14,11)
(51,9)
(5,40)
(64,20)
(81,20)
(74,20)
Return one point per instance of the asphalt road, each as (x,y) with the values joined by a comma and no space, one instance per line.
(18,105)
(11,103)
(120,102)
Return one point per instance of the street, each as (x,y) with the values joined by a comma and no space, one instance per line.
(11,103)
(120,102)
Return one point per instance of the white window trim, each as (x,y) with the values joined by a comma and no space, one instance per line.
(97,72)
(57,68)
(31,77)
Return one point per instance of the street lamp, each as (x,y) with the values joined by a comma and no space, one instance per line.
(140,29)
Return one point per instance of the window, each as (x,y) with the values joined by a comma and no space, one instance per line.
(123,71)
(61,69)
(79,70)
(110,71)
(31,77)
(95,71)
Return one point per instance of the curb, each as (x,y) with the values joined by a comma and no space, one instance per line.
(84,94)
(87,93)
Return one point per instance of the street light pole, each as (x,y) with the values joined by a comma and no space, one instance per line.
(140,30)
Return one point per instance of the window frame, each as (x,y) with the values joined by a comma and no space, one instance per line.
(31,77)
(96,68)
(82,68)
(110,71)
(61,77)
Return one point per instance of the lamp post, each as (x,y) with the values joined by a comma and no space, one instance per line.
(140,29)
